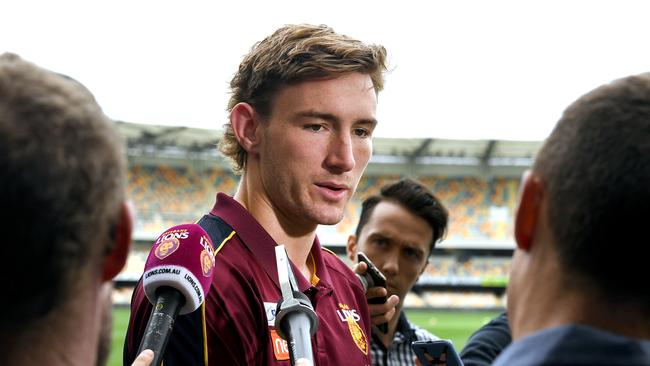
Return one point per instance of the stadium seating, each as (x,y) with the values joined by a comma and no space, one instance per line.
(480,210)
(164,196)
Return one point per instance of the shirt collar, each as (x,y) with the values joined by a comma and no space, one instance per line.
(403,332)
(262,246)
(404,327)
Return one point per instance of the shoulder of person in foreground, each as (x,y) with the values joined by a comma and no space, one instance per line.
(487,342)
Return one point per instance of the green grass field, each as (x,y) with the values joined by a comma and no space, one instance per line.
(454,325)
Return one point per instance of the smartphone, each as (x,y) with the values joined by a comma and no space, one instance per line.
(373,277)
(436,353)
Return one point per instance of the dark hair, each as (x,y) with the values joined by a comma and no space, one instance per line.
(596,169)
(292,54)
(416,198)
(62,182)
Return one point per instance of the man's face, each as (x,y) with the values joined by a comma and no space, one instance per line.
(397,242)
(315,146)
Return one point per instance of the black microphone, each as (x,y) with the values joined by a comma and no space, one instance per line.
(295,319)
(176,279)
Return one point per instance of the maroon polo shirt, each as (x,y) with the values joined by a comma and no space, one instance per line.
(236,324)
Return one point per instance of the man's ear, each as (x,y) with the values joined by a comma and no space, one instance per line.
(351,248)
(245,122)
(528,210)
(115,260)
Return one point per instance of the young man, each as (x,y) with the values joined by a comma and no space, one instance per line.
(576,295)
(66,227)
(398,230)
(302,113)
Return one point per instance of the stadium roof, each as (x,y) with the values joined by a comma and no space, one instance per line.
(178,144)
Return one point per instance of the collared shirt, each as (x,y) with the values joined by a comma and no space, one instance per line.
(575,344)
(400,352)
(235,326)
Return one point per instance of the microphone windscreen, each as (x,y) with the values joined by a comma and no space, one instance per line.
(182,258)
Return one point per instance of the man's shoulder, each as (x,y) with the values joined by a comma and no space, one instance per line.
(329,255)
(218,230)
(421,334)
(336,264)
(575,344)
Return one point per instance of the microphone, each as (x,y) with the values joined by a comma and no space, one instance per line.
(295,319)
(176,279)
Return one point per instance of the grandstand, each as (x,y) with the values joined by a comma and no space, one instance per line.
(175,172)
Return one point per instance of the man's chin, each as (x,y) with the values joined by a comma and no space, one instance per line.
(330,222)
(329,217)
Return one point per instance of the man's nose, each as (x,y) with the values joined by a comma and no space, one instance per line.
(340,155)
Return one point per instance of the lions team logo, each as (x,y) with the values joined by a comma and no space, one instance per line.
(166,247)
(207,256)
(207,263)
(351,318)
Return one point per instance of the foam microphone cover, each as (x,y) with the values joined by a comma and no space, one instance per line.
(182,258)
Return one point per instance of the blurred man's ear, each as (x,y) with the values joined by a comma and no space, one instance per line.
(528,210)
(351,248)
(116,258)
(245,122)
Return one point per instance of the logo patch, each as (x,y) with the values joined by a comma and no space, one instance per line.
(270,309)
(207,263)
(350,317)
(166,247)
(280,346)
(207,256)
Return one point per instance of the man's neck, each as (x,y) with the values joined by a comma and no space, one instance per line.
(297,241)
(571,304)
(388,337)
(66,336)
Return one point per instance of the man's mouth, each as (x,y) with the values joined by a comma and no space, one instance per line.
(332,191)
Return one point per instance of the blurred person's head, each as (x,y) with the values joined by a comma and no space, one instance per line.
(580,224)
(66,227)
(397,230)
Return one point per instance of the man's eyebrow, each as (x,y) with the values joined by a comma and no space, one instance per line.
(413,248)
(319,115)
(332,118)
(378,235)
(368,121)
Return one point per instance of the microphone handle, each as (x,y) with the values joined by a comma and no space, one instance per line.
(297,327)
(161,321)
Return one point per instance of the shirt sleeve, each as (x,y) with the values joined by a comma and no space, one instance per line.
(487,342)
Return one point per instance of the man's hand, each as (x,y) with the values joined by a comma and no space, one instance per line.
(379,313)
(144,358)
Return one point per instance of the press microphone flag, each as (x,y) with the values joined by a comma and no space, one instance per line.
(177,276)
